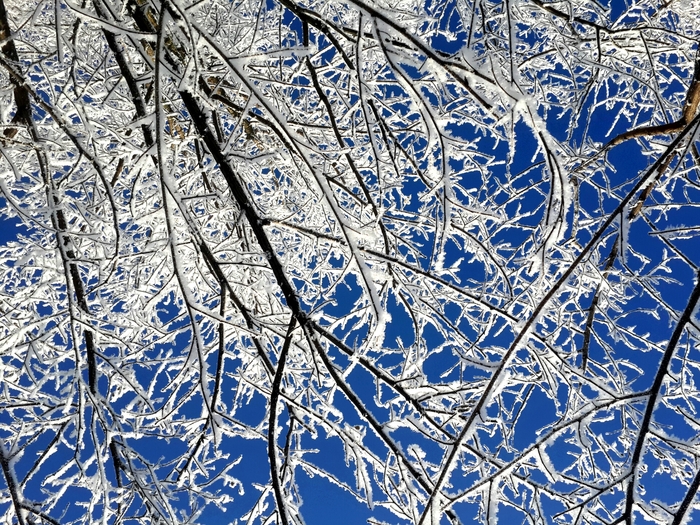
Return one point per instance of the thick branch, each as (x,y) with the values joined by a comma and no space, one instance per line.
(690,107)
(8,472)
(272,426)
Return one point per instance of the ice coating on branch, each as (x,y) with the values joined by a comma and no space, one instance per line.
(410,197)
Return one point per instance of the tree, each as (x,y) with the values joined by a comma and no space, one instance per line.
(451,243)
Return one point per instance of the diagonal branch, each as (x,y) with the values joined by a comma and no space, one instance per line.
(655,391)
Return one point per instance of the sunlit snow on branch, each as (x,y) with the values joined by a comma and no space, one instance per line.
(308,262)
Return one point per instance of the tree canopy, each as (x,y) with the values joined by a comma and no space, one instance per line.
(438,256)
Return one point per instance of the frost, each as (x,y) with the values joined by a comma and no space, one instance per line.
(285,245)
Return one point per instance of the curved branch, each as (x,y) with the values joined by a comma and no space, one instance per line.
(272,425)
(655,391)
